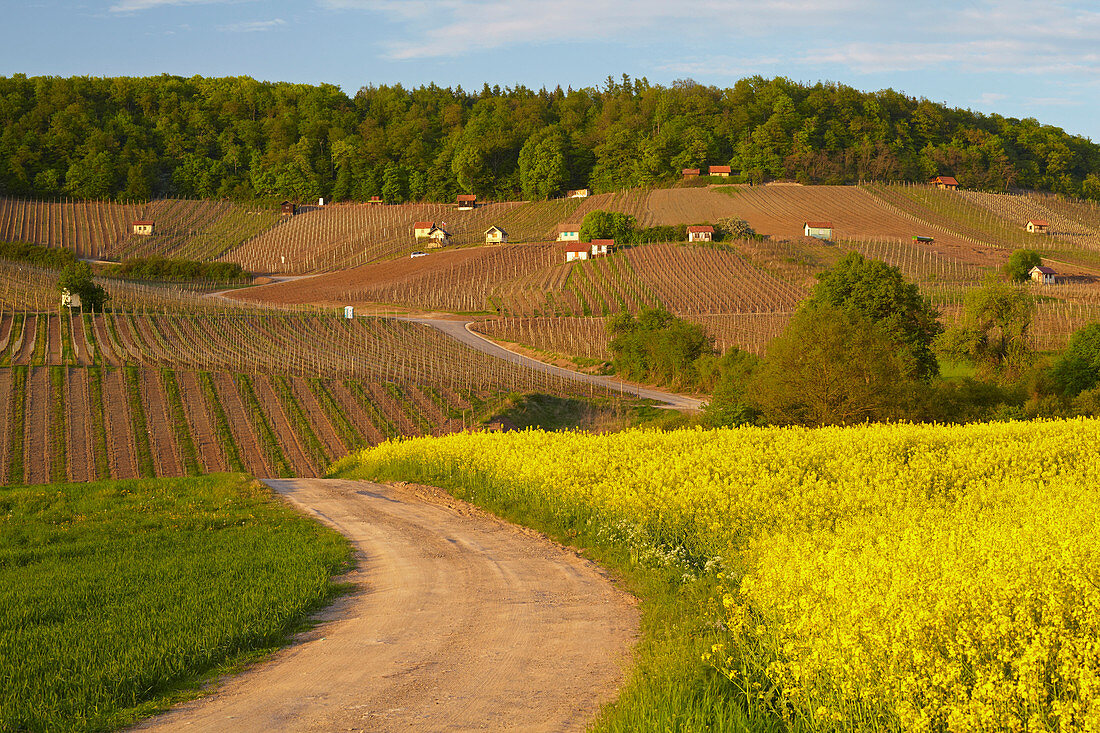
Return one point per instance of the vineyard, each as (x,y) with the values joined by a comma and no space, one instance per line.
(198,230)
(123,395)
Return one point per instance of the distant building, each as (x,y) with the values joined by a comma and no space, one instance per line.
(288,208)
(569,234)
(1038,226)
(438,238)
(701,234)
(722,171)
(466,201)
(144,228)
(376,200)
(945,182)
(602,246)
(690,173)
(818,229)
(923,239)
(495,235)
(422,229)
(577,252)
(580,193)
(70,300)
(1042,275)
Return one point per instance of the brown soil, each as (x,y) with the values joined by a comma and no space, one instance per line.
(26,349)
(152,345)
(5,331)
(430,410)
(460,622)
(201,423)
(36,438)
(5,423)
(116,418)
(354,411)
(284,431)
(162,436)
(392,409)
(78,426)
(240,425)
(106,345)
(53,326)
(334,447)
(128,341)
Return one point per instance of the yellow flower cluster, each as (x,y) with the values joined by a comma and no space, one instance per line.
(908,577)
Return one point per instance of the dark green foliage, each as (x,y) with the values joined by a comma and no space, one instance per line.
(164,268)
(879,293)
(831,366)
(658,348)
(993,335)
(76,278)
(136,138)
(1020,263)
(118,596)
(727,378)
(607,225)
(50,257)
(1078,369)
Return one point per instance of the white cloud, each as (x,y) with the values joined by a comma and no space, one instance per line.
(253,26)
(133,6)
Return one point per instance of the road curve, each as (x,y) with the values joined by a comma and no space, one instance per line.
(460,621)
(460,331)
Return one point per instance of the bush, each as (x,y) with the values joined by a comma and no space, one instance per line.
(1020,263)
(658,348)
(53,258)
(1078,369)
(163,268)
(76,278)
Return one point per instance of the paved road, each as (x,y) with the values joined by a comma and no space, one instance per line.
(458,330)
(460,622)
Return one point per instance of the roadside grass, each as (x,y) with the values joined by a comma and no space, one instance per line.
(669,688)
(118,598)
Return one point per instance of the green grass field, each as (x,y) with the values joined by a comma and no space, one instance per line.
(119,597)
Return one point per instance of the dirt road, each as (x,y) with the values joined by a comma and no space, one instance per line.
(460,622)
(458,331)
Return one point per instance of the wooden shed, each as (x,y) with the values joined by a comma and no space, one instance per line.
(466,201)
(1042,275)
(569,233)
(376,200)
(144,228)
(438,237)
(722,171)
(602,246)
(945,182)
(690,173)
(495,235)
(580,193)
(577,252)
(701,234)
(818,229)
(422,229)
(1038,226)
(288,208)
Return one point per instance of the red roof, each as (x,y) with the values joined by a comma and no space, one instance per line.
(577,248)
(466,197)
(696,230)
(143,223)
(719,169)
(424,225)
(603,242)
(820,224)
(690,171)
(1039,222)
(946,180)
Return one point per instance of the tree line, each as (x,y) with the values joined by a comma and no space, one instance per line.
(139,138)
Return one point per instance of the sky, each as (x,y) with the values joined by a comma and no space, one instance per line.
(1017,58)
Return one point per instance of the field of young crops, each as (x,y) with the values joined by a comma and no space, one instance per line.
(886,577)
(117,596)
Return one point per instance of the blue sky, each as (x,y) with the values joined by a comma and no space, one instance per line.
(1013,57)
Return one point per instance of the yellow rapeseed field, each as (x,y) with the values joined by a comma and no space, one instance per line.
(877,577)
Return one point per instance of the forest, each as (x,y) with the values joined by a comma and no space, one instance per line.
(238,138)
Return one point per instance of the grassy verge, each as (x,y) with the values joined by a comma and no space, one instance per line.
(670,688)
(345,428)
(17,418)
(184,440)
(269,443)
(301,423)
(121,596)
(142,449)
(58,443)
(99,427)
(221,424)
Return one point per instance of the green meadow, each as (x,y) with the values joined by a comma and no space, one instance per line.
(120,597)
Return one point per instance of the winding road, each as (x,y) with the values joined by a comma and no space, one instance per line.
(459,621)
(460,331)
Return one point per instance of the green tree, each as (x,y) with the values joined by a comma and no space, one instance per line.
(542,165)
(831,366)
(1078,368)
(657,347)
(393,184)
(993,335)
(880,293)
(1020,263)
(76,278)
(607,225)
